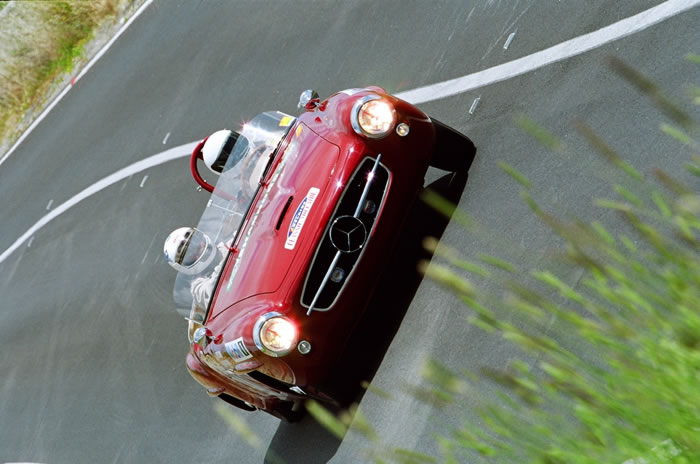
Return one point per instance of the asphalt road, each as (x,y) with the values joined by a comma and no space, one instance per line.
(92,359)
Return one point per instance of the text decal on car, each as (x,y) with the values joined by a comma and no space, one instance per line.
(300,217)
(238,350)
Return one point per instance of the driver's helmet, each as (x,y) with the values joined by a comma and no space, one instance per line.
(189,250)
(217,149)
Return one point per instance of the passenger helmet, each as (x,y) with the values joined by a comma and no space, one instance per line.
(188,250)
(217,149)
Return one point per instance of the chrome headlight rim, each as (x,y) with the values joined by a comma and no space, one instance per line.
(355,113)
(258,341)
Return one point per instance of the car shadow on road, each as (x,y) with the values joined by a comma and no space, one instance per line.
(307,441)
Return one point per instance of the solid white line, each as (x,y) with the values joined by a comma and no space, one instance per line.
(63,93)
(421,95)
(550,55)
(155,160)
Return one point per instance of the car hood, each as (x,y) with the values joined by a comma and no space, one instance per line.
(282,222)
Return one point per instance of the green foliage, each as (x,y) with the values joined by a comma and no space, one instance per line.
(41,42)
(629,391)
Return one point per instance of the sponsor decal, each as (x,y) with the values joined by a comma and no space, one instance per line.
(285,121)
(299,218)
(237,350)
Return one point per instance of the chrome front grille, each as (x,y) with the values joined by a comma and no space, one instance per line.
(345,236)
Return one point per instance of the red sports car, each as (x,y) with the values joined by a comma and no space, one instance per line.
(296,233)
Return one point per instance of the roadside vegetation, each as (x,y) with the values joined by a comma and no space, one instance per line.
(615,379)
(40,43)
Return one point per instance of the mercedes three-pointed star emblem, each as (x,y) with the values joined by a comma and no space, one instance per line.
(348,234)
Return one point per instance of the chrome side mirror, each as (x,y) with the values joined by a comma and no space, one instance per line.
(306,97)
(200,337)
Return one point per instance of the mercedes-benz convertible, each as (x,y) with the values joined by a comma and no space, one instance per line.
(299,227)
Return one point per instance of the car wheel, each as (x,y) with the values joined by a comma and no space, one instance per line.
(287,412)
(453,150)
(233,401)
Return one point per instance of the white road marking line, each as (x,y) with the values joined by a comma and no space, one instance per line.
(74,80)
(424,94)
(474,105)
(550,55)
(166,138)
(149,248)
(48,207)
(29,244)
(143,181)
(155,160)
(509,41)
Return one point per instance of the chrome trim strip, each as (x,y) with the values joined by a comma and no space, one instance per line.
(324,282)
(370,178)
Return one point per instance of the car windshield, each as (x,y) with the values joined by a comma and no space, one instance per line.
(227,207)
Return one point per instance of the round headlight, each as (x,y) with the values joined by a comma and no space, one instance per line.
(372,116)
(275,335)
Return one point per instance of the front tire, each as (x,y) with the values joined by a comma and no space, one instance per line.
(289,411)
(453,151)
(236,402)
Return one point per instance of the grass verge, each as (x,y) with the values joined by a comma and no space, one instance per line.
(41,44)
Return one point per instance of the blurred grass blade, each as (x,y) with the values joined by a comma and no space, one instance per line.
(324,417)
(539,133)
(693,58)
(603,233)
(627,195)
(499,263)
(652,91)
(432,245)
(405,456)
(671,183)
(610,204)
(446,207)
(446,277)
(679,135)
(660,203)
(604,149)
(512,172)
(239,425)
(695,94)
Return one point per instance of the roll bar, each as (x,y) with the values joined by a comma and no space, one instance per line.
(197,155)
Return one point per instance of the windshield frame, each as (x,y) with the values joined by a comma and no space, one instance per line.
(199,313)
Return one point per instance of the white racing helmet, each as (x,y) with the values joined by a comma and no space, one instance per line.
(217,149)
(189,250)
